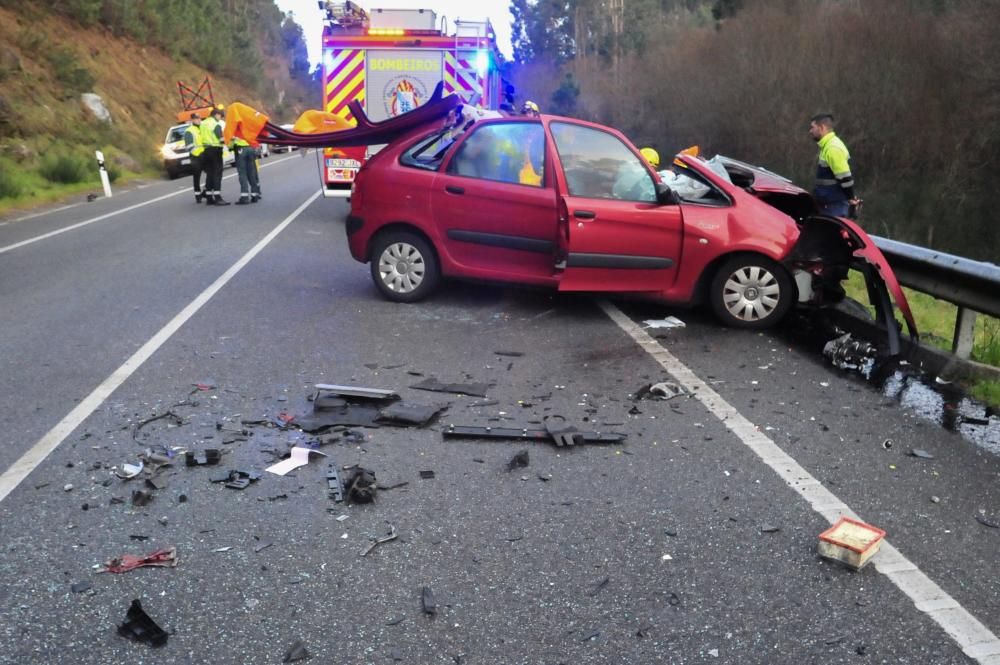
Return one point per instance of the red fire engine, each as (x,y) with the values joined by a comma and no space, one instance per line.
(389,60)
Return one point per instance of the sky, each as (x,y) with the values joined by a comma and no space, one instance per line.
(310,16)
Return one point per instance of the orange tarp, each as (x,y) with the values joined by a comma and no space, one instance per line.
(318,122)
(244,122)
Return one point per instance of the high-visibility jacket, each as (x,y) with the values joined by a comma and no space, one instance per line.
(192,138)
(211,133)
(834,182)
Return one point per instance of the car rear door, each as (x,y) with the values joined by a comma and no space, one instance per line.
(616,236)
(494,207)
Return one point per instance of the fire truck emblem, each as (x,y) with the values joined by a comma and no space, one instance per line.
(403,95)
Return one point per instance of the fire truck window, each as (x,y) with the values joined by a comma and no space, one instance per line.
(506,152)
(598,165)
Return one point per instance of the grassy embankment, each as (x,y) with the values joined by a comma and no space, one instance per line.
(935,321)
(48,139)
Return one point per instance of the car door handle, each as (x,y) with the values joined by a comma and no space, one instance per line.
(584,214)
(452,189)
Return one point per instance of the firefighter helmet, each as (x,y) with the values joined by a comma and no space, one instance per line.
(651,156)
(530,108)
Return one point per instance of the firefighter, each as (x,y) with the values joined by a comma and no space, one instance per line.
(192,139)
(211,137)
(530,108)
(834,190)
(652,157)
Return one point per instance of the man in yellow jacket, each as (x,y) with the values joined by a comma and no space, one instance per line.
(211,138)
(834,191)
(192,139)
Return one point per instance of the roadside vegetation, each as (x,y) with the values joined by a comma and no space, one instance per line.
(131,54)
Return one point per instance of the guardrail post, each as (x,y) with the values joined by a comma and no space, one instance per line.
(965,332)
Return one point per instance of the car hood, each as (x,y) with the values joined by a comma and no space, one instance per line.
(764,181)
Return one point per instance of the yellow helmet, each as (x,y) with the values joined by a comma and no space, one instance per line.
(530,107)
(651,156)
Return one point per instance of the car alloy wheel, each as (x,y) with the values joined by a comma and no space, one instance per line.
(751,292)
(404,267)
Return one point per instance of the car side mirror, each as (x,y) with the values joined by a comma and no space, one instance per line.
(665,195)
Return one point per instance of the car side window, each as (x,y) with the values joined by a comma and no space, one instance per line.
(598,165)
(511,152)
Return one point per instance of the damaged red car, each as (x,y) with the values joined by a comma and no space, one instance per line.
(572,205)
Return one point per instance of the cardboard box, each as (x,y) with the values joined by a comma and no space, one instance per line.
(851,542)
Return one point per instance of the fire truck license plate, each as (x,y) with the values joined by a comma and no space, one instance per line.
(343,164)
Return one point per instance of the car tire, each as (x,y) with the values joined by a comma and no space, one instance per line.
(404,266)
(752,292)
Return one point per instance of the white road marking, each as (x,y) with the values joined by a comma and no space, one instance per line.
(975,639)
(18,471)
(99,218)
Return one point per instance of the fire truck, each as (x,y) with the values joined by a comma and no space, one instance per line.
(389,60)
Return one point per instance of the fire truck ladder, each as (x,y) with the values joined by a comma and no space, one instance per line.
(479,31)
(346,15)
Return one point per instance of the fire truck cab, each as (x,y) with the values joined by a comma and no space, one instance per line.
(389,60)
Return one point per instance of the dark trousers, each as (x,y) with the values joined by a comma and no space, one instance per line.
(246,168)
(211,161)
(196,170)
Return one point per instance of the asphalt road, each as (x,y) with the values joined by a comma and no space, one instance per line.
(681,545)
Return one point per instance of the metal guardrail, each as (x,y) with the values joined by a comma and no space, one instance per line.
(974,286)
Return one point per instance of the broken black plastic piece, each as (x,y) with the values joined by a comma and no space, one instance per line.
(472,389)
(141,497)
(410,414)
(427,474)
(295,652)
(335,484)
(518,461)
(138,627)
(201,458)
(356,391)
(567,436)
(80,587)
(427,601)
(360,485)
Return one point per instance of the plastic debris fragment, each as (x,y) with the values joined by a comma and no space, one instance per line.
(360,485)
(669,322)
(298,457)
(846,353)
(427,601)
(139,627)
(295,652)
(161,558)
(128,471)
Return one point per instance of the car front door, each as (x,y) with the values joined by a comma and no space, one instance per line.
(616,236)
(494,204)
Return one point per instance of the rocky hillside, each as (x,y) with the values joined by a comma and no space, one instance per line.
(57,73)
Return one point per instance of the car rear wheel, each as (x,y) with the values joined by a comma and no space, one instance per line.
(751,292)
(404,267)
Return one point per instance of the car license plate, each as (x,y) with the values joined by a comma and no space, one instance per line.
(343,164)
(185,161)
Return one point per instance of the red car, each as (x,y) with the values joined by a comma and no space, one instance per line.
(572,205)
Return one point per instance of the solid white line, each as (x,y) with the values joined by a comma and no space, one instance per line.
(975,639)
(18,471)
(101,217)
(45,212)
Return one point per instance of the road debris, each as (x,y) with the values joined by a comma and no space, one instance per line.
(554,432)
(360,486)
(355,391)
(334,483)
(168,414)
(161,558)
(427,601)
(139,627)
(769,528)
(129,471)
(471,389)
(922,454)
(208,456)
(299,456)
(987,522)
(81,587)
(378,541)
(846,353)
(669,322)
(402,413)
(599,586)
(851,542)
(427,474)
(665,390)
(141,498)
(296,652)
(236,479)
(519,461)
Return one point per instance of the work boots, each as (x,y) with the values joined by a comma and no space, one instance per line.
(198,196)
(219,201)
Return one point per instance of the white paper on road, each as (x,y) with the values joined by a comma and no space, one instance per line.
(299,457)
(669,322)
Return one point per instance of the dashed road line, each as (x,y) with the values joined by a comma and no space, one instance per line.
(18,471)
(974,638)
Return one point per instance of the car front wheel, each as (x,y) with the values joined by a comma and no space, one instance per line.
(404,267)
(751,292)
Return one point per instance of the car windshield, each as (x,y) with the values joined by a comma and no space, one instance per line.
(176,133)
